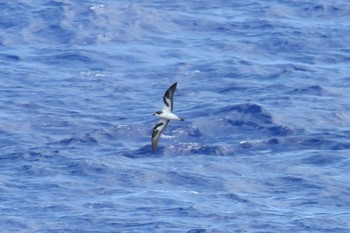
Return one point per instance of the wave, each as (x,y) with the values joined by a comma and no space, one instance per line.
(231,130)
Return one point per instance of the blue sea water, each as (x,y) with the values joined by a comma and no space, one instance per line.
(264,87)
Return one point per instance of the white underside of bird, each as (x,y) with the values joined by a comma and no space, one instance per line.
(165,115)
(169,116)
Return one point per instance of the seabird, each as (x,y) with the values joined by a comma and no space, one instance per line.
(165,115)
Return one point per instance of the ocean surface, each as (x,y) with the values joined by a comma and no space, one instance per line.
(263,86)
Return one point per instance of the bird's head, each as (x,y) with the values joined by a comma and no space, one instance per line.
(158,113)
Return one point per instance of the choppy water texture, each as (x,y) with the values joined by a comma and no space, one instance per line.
(264,88)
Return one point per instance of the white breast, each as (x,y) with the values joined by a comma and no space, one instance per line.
(169,116)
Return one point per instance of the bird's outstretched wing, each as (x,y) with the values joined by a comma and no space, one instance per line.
(157,130)
(168,98)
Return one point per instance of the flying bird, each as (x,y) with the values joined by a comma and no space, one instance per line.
(165,115)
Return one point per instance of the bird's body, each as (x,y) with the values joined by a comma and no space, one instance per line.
(165,115)
(168,116)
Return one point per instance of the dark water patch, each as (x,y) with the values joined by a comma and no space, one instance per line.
(340,145)
(253,118)
(302,142)
(247,111)
(323,160)
(316,90)
(195,149)
(55,33)
(278,130)
(247,145)
(145,151)
(11,156)
(179,149)
(314,142)
(294,143)
(75,140)
(291,70)
(67,58)
(234,197)
(295,183)
(32,156)
(180,211)
(71,57)
(325,10)
(235,89)
(239,28)
(319,223)
(204,149)
(279,45)
(197,230)
(193,132)
(9,57)
(273,141)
